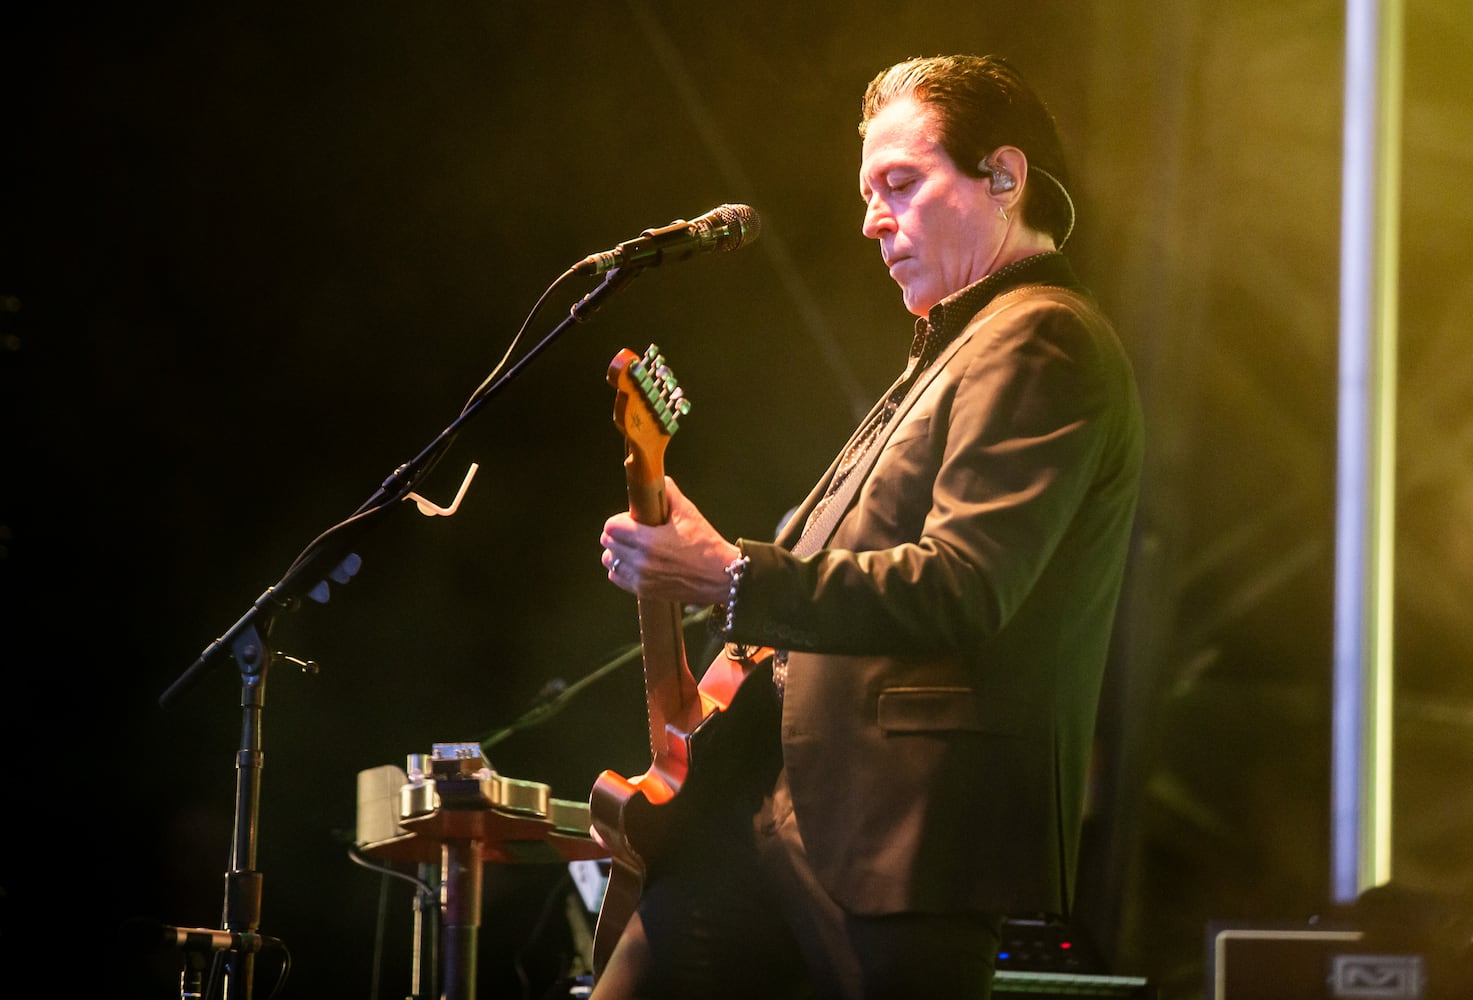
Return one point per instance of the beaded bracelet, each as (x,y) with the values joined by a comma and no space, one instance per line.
(735,570)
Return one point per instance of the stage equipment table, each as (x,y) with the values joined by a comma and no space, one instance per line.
(454,810)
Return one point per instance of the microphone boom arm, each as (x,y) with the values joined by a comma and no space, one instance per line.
(328,558)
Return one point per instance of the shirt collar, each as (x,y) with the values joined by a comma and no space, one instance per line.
(948,317)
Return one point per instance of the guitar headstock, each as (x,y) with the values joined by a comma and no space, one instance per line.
(648,407)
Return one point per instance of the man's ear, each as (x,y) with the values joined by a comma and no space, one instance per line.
(1008,169)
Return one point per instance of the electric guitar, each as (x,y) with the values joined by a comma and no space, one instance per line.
(690,724)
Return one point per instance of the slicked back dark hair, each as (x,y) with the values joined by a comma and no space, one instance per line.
(981,103)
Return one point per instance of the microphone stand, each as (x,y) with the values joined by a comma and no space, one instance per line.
(328,559)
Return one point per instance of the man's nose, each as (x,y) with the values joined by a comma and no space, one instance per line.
(877,219)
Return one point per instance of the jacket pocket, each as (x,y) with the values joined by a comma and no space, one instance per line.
(937,709)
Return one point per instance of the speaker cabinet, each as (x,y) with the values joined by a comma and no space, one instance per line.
(1288,962)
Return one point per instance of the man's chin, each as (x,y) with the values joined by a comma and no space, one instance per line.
(915,303)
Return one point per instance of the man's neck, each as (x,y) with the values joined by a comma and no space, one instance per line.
(1021,243)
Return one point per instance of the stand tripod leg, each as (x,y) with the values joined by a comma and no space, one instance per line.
(460,894)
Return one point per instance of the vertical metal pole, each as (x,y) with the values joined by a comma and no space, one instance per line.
(460,900)
(1366,481)
(425,968)
(243,882)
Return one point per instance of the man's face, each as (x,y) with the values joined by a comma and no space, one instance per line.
(938,229)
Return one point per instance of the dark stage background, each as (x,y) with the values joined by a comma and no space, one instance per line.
(257,256)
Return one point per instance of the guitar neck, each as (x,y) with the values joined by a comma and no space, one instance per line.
(671,693)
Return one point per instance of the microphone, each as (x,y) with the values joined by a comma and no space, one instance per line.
(728,227)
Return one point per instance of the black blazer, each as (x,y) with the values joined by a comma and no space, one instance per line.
(947,646)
